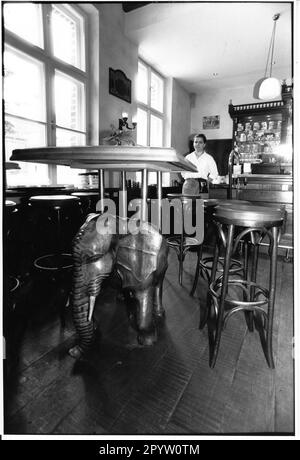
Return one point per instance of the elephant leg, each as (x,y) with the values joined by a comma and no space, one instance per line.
(158,309)
(127,295)
(147,333)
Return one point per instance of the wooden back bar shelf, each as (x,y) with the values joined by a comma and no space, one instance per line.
(262,134)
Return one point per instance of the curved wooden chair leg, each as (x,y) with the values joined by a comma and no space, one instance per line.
(221,306)
(204,313)
(180,269)
(197,272)
(272,285)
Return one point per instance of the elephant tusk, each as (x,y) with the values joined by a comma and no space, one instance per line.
(92,300)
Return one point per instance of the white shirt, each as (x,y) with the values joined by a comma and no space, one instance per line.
(205,165)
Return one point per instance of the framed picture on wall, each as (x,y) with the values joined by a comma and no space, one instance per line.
(212,122)
(119,85)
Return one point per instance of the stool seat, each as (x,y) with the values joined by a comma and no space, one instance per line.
(9,204)
(87,194)
(187,241)
(232,202)
(248,215)
(184,196)
(210,202)
(53,200)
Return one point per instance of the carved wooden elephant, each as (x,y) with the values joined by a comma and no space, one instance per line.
(139,259)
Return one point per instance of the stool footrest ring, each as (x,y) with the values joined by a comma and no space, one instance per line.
(235,265)
(249,289)
(54,262)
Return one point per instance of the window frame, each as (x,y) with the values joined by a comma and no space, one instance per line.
(147,107)
(51,64)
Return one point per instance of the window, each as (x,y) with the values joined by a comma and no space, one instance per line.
(150,111)
(45,85)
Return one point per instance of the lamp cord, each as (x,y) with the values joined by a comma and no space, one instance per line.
(271,63)
(271,47)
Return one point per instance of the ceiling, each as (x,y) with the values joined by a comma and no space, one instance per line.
(210,45)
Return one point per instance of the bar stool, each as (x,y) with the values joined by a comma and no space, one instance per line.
(253,222)
(182,243)
(88,201)
(205,263)
(56,210)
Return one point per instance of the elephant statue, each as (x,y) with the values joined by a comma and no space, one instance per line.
(140,260)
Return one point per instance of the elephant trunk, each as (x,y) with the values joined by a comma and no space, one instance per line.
(93,260)
(84,299)
(85,291)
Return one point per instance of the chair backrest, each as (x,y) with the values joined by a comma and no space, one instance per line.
(189,209)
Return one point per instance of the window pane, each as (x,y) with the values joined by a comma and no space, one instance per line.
(152,178)
(66,138)
(66,175)
(157,92)
(141,135)
(142,84)
(67,36)
(24,91)
(69,176)
(25,20)
(69,102)
(156,132)
(20,134)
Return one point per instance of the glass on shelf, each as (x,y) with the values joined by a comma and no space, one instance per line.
(250,137)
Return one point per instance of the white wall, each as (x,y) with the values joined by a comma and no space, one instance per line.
(216,102)
(118,52)
(181,118)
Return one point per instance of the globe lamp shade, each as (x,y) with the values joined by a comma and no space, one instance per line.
(270,88)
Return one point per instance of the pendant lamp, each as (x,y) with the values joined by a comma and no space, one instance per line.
(268,88)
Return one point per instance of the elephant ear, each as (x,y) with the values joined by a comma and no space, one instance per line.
(137,256)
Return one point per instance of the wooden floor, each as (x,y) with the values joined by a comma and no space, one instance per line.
(121,388)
